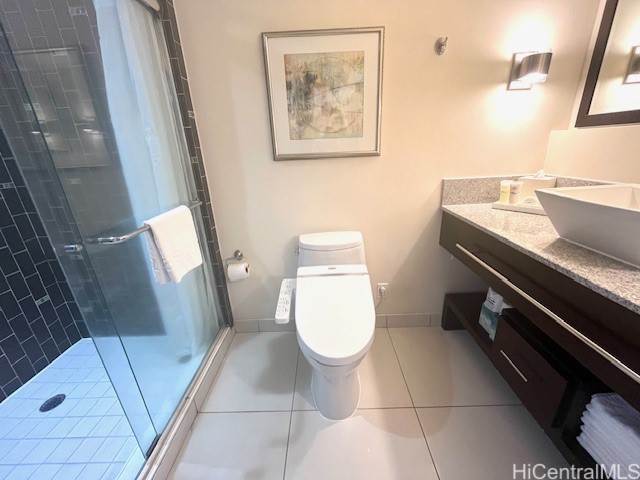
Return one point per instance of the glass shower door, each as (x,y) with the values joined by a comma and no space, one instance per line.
(109,116)
(165,328)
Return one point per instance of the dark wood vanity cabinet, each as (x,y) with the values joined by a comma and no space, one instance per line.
(550,384)
(560,343)
(533,374)
(600,334)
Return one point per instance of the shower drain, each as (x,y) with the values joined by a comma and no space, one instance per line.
(52,402)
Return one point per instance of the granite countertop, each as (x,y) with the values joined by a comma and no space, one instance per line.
(535,236)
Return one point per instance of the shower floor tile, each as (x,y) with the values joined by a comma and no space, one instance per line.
(85,437)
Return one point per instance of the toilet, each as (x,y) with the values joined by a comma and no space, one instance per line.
(335,317)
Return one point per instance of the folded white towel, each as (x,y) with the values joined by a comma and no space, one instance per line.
(173,244)
(596,448)
(613,415)
(611,432)
(606,447)
(617,410)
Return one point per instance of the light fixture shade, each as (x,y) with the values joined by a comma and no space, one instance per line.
(529,68)
(633,71)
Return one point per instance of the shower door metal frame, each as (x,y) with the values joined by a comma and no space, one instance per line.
(181,84)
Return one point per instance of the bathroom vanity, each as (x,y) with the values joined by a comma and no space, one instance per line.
(575,326)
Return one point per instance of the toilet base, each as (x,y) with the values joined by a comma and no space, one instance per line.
(336,398)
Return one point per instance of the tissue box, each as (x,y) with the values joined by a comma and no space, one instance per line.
(531,183)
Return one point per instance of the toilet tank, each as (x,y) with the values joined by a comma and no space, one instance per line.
(331,248)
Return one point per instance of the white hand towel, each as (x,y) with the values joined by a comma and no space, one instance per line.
(622,448)
(173,244)
(610,451)
(612,414)
(618,410)
(594,447)
(611,431)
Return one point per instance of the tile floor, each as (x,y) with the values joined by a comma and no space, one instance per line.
(87,437)
(432,407)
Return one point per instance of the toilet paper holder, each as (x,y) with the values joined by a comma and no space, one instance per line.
(237,256)
(236,269)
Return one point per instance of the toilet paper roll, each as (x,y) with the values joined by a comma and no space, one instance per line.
(238,271)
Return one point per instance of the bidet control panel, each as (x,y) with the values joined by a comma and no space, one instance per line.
(283,309)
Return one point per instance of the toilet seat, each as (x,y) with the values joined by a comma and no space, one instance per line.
(334,311)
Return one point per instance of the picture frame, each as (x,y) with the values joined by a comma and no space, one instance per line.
(325,92)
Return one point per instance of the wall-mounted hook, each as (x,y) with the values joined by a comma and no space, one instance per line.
(441,45)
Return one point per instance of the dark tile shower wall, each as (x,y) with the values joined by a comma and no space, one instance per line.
(41,25)
(39,318)
(170,25)
(61,132)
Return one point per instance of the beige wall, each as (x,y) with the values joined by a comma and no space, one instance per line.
(442,116)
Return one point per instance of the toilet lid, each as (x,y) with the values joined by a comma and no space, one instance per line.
(327,241)
(335,316)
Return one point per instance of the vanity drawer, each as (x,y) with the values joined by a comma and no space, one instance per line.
(537,383)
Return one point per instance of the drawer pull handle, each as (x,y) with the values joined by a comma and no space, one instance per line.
(513,365)
(586,340)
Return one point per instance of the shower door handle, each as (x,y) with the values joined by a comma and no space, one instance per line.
(114,240)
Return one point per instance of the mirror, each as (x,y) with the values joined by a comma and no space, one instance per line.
(607,99)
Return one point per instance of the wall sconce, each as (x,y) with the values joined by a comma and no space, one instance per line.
(528,68)
(633,72)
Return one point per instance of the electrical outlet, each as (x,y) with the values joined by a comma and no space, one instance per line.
(383,290)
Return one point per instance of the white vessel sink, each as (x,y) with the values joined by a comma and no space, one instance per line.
(604,218)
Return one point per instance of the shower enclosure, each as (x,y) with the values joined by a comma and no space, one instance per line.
(90,112)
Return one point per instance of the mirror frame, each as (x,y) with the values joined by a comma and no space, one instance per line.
(584,119)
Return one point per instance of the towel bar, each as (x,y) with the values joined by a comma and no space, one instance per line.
(128,236)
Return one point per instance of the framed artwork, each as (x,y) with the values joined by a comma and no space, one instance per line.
(325,92)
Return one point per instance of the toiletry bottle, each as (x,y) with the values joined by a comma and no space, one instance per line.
(514,194)
(505,189)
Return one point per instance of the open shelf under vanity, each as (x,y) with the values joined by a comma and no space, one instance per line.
(553,387)
(554,368)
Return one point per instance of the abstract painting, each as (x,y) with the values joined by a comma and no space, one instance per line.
(325,92)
